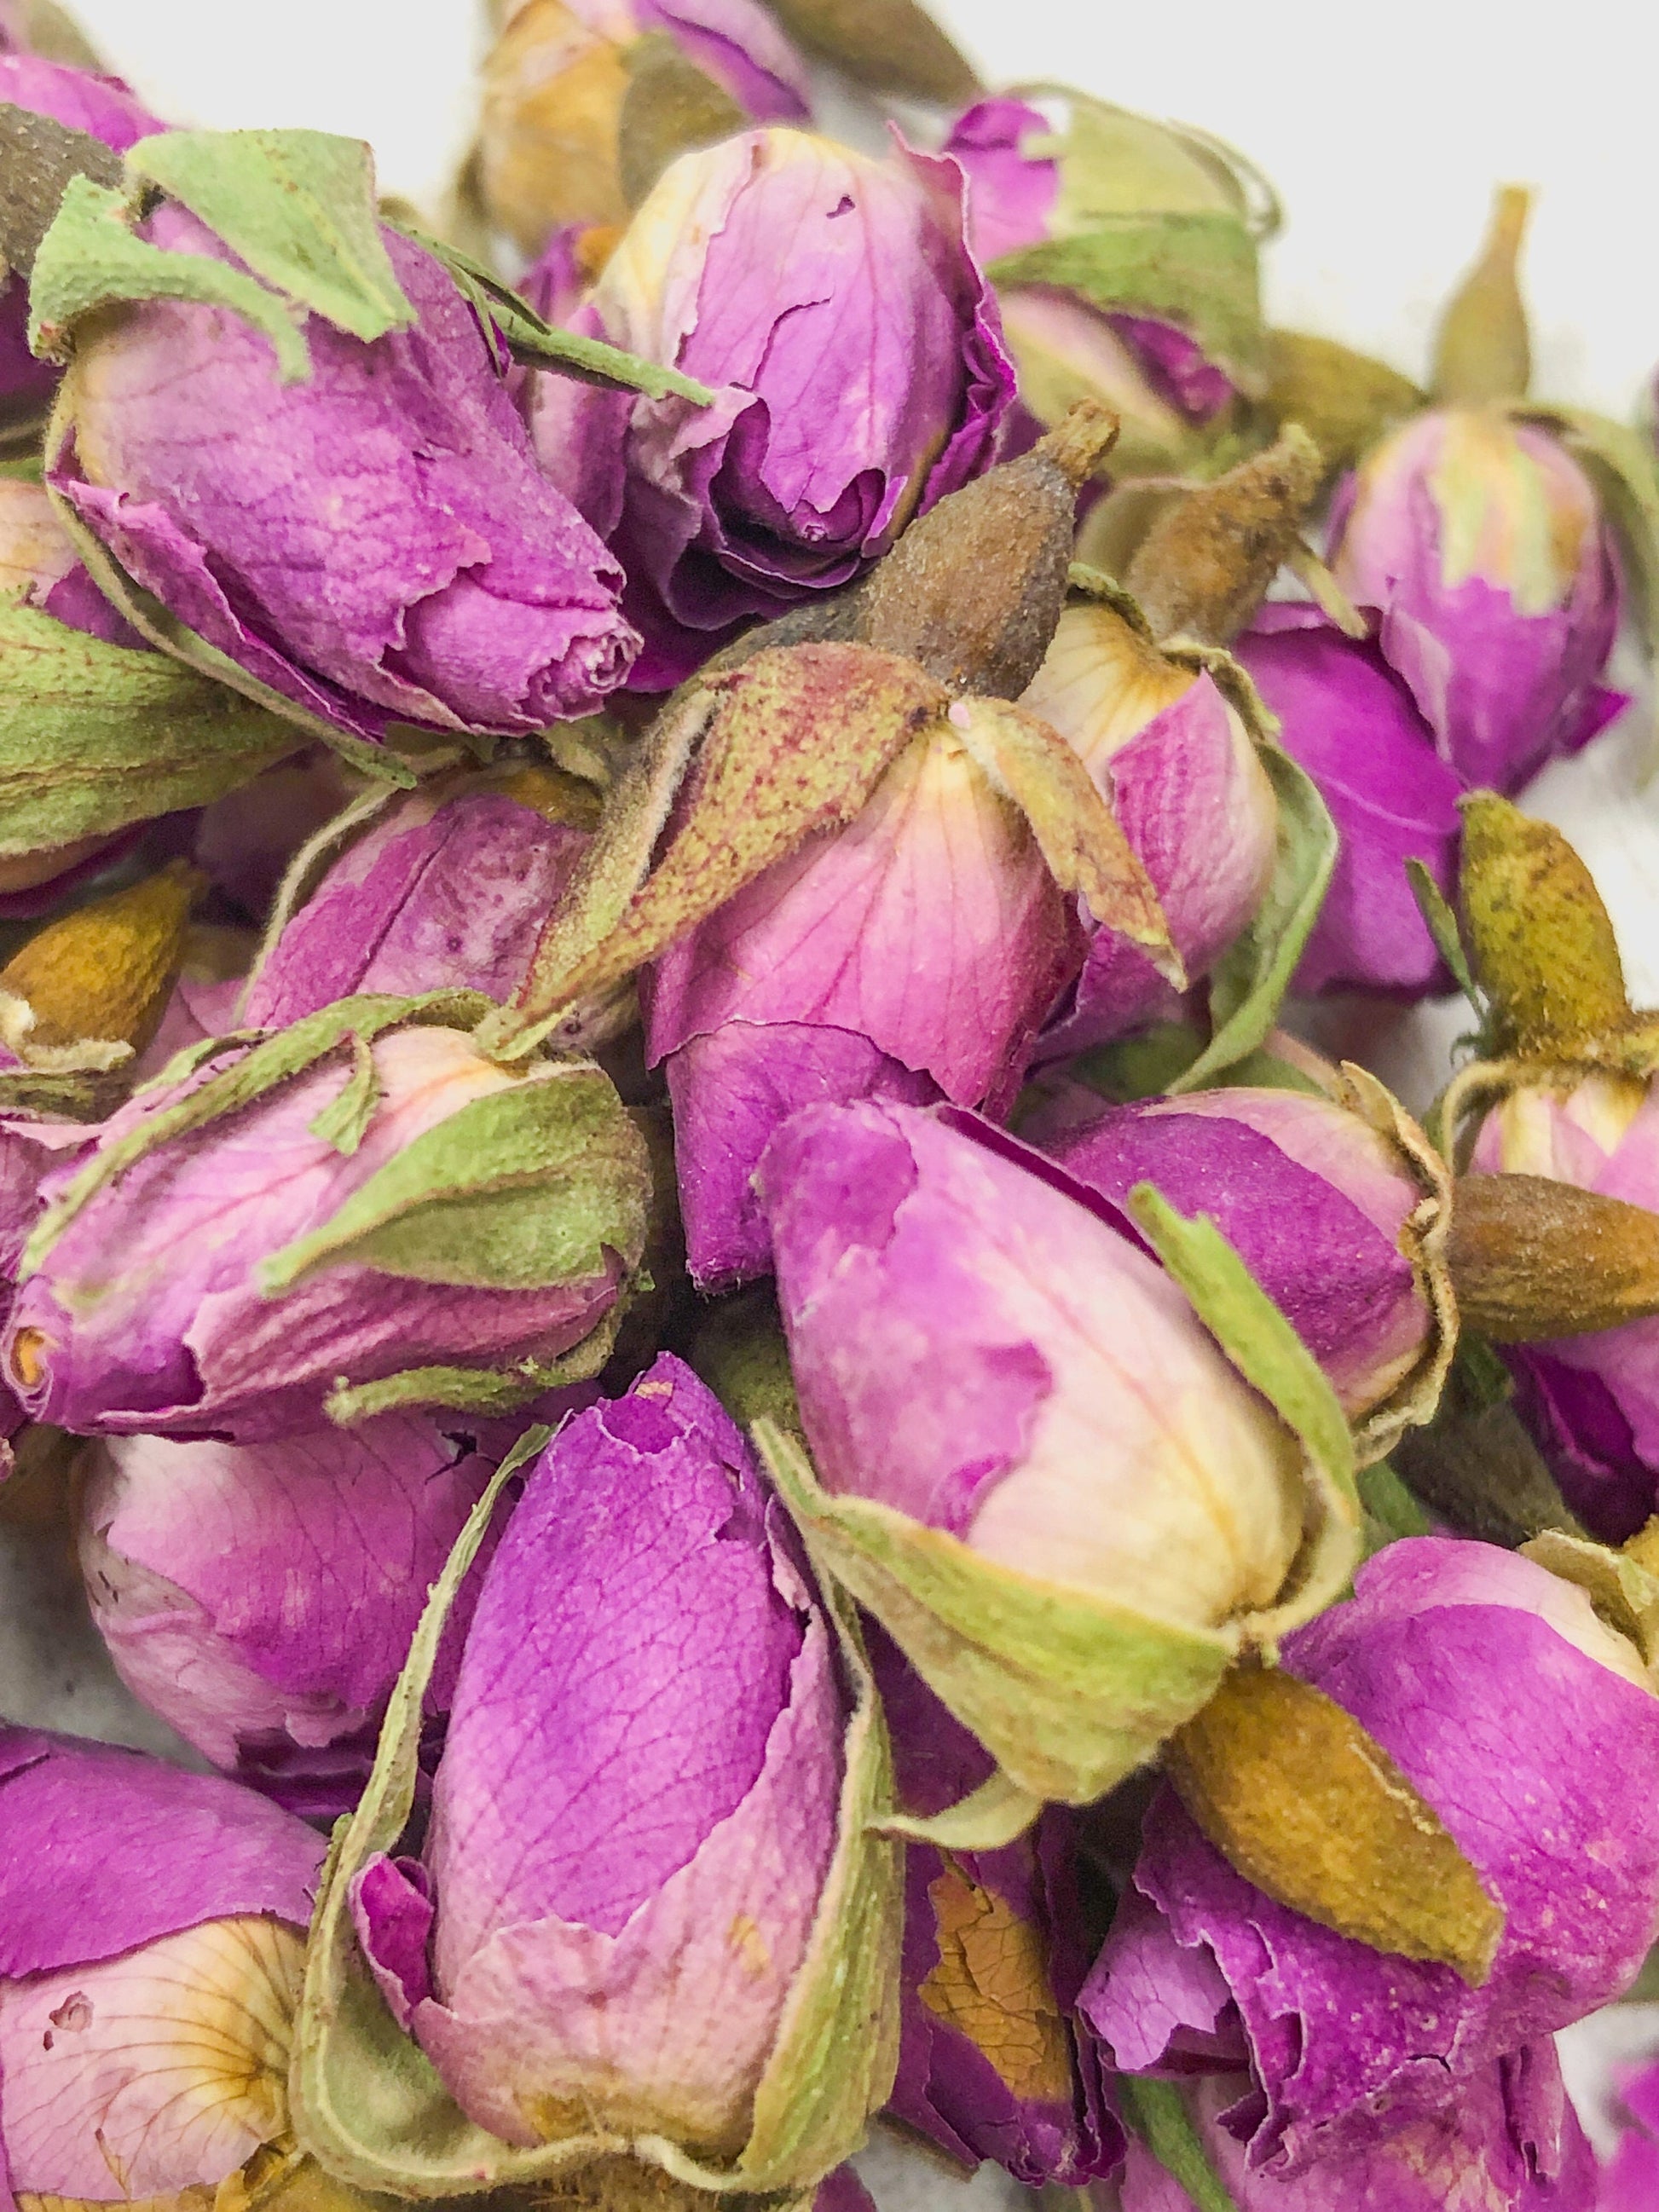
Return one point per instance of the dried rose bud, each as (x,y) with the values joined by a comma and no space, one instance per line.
(1174,755)
(1510,2138)
(806,283)
(262,1597)
(1338,1210)
(556,107)
(1527,1728)
(619,1911)
(989,2064)
(1481,544)
(447,889)
(302,1239)
(174,444)
(1064,1460)
(145,2030)
(1069,212)
(1353,724)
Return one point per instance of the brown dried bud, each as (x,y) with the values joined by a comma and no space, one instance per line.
(1205,565)
(104,972)
(1532,1258)
(974,590)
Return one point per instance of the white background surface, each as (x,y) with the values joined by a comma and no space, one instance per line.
(1384,128)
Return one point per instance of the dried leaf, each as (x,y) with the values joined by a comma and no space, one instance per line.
(1310,1807)
(38,158)
(670,107)
(1344,400)
(991,1984)
(90,258)
(891,47)
(297,206)
(1204,567)
(1155,2112)
(1076,830)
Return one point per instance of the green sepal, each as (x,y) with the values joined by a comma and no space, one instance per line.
(282,1056)
(163,629)
(368,2104)
(537,344)
(90,258)
(93,736)
(984,1821)
(1260,1342)
(526,1187)
(1441,925)
(1391,1512)
(1248,986)
(497,1391)
(1156,2112)
(1067,1693)
(297,206)
(65,1095)
(343,1122)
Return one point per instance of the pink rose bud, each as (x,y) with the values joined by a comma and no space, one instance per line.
(1481,544)
(808,284)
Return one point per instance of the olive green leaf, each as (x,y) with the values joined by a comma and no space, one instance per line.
(366,2101)
(1475,1467)
(1076,831)
(95,735)
(1343,399)
(1483,348)
(37,159)
(1391,1512)
(90,258)
(1248,984)
(1307,1805)
(280,1057)
(1543,945)
(528,1185)
(297,206)
(1157,2113)
(1152,1063)
(670,107)
(886,46)
(537,344)
(739,1351)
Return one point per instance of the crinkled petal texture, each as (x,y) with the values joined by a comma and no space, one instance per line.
(147,1316)
(259,1596)
(1314,1200)
(375,543)
(977,1345)
(911,956)
(636,1808)
(1481,544)
(833,304)
(989,2066)
(1510,2142)
(151,1927)
(1353,724)
(1529,1726)
(1592,1401)
(434,897)
(1180,769)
